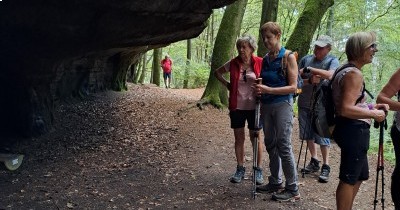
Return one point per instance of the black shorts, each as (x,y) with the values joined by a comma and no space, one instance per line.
(239,117)
(167,75)
(352,136)
(395,186)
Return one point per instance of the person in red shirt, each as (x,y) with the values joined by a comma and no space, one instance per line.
(166,65)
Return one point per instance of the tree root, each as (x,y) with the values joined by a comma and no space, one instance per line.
(201,105)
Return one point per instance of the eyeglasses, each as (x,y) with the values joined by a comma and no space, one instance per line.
(373,46)
(244,76)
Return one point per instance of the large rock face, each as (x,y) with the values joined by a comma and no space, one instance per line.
(51,50)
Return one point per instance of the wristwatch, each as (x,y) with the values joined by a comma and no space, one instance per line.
(306,70)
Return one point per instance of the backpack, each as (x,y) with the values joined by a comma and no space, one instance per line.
(285,69)
(323,107)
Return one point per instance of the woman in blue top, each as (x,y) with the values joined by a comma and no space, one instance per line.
(277,114)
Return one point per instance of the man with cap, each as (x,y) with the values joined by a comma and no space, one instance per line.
(314,68)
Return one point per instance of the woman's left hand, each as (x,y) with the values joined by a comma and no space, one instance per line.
(384,107)
(260,89)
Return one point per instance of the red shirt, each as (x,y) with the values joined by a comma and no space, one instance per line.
(235,74)
(166,65)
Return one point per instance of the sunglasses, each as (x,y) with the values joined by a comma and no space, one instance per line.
(373,46)
(244,76)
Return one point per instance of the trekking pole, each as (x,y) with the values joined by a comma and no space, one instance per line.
(303,172)
(380,167)
(255,141)
(301,149)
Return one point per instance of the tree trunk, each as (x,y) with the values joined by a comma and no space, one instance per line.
(188,58)
(206,43)
(329,22)
(211,41)
(224,49)
(138,70)
(156,70)
(269,13)
(306,25)
(144,64)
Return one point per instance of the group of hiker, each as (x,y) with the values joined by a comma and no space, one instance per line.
(276,92)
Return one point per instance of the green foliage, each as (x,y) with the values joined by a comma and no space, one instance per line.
(251,19)
(198,74)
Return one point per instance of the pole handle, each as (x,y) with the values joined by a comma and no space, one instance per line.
(259,82)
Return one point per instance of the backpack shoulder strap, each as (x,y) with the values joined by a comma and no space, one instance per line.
(369,93)
(363,90)
(285,60)
(339,70)
(362,94)
(329,61)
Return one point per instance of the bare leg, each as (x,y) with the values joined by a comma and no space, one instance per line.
(260,146)
(312,148)
(239,145)
(345,195)
(355,191)
(325,154)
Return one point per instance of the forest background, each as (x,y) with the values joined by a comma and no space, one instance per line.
(192,59)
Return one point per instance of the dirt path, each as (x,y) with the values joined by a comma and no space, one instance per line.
(146,149)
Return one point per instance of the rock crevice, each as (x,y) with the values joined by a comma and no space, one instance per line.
(51,50)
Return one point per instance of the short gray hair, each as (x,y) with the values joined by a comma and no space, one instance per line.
(249,39)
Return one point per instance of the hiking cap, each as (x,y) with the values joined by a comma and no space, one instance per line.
(323,40)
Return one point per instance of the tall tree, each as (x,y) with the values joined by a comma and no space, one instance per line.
(144,64)
(188,58)
(224,49)
(329,22)
(156,70)
(138,70)
(306,25)
(269,13)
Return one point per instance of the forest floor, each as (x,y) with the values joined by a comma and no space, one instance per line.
(152,148)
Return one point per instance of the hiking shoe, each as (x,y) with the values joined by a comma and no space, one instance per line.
(324,177)
(269,188)
(239,174)
(312,167)
(259,176)
(286,195)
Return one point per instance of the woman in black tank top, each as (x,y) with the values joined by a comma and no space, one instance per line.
(353,130)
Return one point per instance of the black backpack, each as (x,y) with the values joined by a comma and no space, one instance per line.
(323,107)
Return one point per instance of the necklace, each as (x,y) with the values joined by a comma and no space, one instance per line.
(271,53)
